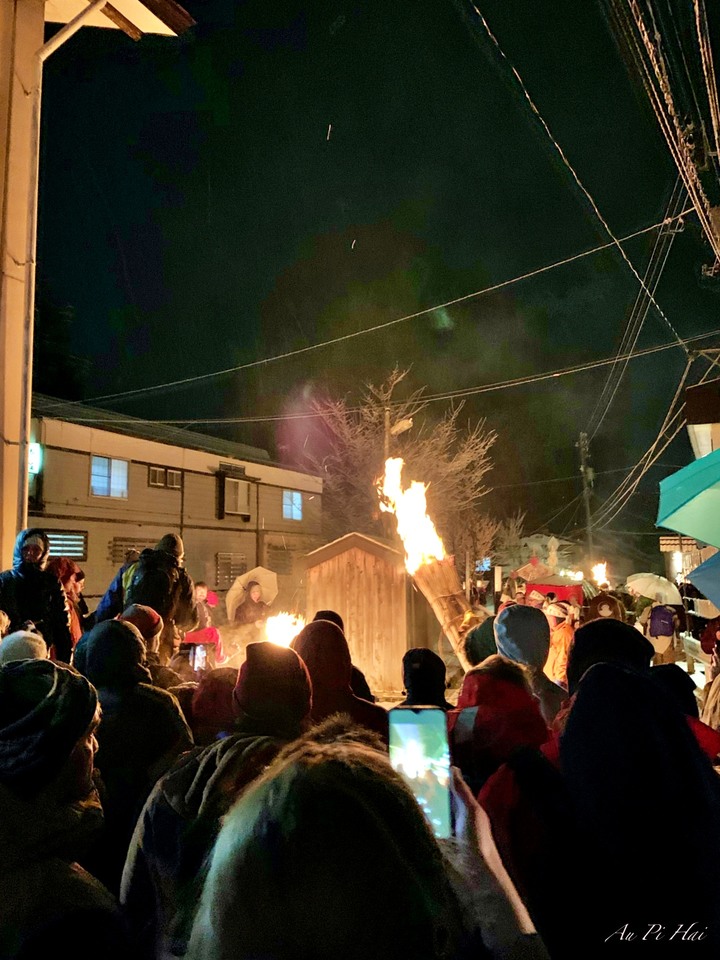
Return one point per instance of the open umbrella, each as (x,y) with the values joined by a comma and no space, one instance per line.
(236,594)
(706,578)
(651,585)
(690,500)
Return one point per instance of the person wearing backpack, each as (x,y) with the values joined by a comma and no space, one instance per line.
(160,581)
(661,627)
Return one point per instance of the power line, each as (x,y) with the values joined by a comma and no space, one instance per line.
(493,288)
(658,259)
(576,178)
(431,398)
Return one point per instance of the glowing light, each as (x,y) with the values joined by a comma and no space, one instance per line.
(282,628)
(576,575)
(678,563)
(417,531)
(599,573)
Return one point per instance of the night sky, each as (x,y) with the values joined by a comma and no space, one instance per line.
(195,215)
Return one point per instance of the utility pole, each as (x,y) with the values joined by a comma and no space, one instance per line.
(386,451)
(588,478)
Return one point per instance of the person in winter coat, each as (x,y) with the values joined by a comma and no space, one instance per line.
(371,882)
(324,649)
(30,593)
(66,570)
(424,679)
(522,634)
(496,715)
(160,581)
(561,617)
(595,790)
(142,733)
(181,819)
(49,814)
(150,624)
(661,626)
(358,681)
(605,604)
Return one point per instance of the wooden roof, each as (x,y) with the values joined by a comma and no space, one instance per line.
(355,541)
(133,17)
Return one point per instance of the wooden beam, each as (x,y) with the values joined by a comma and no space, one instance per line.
(172,14)
(122,22)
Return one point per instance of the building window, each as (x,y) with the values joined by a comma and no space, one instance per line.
(237,496)
(292,504)
(156,476)
(119,546)
(68,543)
(164,477)
(109,478)
(228,566)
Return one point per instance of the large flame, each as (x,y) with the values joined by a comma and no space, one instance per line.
(282,628)
(599,573)
(417,531)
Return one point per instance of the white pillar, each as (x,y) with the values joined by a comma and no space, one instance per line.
(21,36)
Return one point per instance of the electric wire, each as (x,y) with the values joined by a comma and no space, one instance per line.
(576,178)
(633,328)
(493,288)
(430,398)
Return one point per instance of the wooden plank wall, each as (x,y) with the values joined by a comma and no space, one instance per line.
(370,595)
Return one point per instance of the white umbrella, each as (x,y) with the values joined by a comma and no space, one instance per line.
(651,585)
(236,594)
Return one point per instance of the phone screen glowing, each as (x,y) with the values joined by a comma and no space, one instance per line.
(419,752)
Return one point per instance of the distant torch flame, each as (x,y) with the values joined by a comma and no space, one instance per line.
(417,531)
(599,573)
(283,628)
(576,575)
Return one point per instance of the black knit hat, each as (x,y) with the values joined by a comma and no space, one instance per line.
(45,709)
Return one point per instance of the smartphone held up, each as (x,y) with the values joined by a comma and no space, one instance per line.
(419,752)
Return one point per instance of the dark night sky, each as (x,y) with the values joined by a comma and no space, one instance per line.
(196,216)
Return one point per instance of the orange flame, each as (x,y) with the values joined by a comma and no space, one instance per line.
(282,628)
(599,573)
(417,531)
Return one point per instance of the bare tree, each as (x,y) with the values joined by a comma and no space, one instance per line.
(451,458)
(510,550)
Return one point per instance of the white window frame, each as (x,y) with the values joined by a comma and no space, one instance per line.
(113,464)
(292,505)
(231,483)
(160,477)
(175,474)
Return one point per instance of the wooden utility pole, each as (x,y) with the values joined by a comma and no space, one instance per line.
(588,476)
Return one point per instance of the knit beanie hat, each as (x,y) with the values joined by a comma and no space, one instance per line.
(22,645)
(213,699)
(147,620)
(172,543)
(522,634)
(273,684)
(45,709)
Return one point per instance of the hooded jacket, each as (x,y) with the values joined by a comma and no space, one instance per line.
(324,649)
(30,592)
(141,734)
(176,830)
(494,718)
(522,634)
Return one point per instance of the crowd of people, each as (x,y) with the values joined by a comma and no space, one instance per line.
(253,813)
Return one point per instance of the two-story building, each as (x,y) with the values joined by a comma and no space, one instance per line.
(102,483)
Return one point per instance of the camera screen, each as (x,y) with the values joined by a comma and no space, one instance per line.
(419,752)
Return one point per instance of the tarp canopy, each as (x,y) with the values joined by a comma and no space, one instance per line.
(690,500)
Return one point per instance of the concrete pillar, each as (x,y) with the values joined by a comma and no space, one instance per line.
(21,36)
